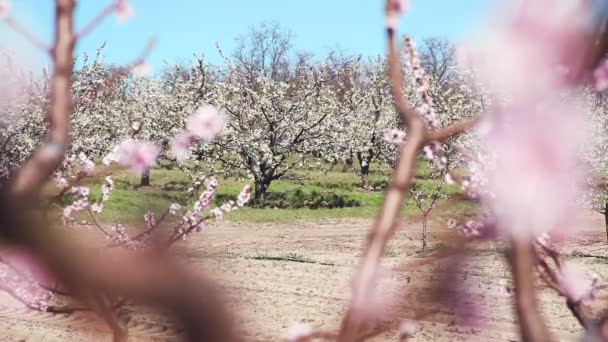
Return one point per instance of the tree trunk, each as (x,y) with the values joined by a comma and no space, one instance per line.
(145,179)
(606,219)
(424,221)
(364,163)
(348,165)
(365,176)
(260,193)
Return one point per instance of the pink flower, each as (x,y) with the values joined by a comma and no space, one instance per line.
(174,208)
(298,331)
(81,191)
(395,136)
(97,208)
(137,156)
(150,219)
(60,181)
(400,6)
(123,10)
(244,196)
(206,122)
(576,284)
(87,166)
(407,328)
(5,9)
(180,146)
(141,69)
(600,76)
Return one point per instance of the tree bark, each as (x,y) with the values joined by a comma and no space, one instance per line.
(348,165)
(364,163)
(424,221)
(145,179)
(365,176)
(606,219)
(261,187)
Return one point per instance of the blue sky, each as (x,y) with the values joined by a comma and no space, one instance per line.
(184,27)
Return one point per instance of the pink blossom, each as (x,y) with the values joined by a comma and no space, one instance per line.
(86,165)
(399,6)
(141,69)
(448,178)
(395,136)
(206,122)
(137,156)
(123,10)
(180,146)
(60,181)
(428,152)
(600,76)
(244,196)
(396,8)
(535,157)
(80,191)
(107,188)
(110,158)
(407,328)
(174,208)
(5,9)
(576,284)
(150,219)
(298,331)
(97,208)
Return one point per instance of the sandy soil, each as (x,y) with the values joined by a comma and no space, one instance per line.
(277,274)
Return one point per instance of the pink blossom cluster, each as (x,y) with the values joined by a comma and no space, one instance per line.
(60,181)
(26,290)
(192,220)
(434,152)
(107,188)
(81,202)
(577,284)
(204,124)
(140,70)
(421,83)
(5,9)
(174,208)
(395,136)
(470,229)
(82,163)
(123,10)
(122,236)
(242,199)
(600,76)
(137,156)
(396,8)
(87,166)
(407,328)
(150,219)
(298,332)
(399,6)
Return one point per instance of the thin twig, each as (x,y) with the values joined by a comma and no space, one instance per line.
(29,36)
(88,28)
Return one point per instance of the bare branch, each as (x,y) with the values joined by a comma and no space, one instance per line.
(29,36)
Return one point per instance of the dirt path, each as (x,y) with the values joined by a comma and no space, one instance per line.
(277,274)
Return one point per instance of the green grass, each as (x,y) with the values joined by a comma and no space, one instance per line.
(304,195)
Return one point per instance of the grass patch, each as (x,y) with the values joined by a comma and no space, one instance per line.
(304,195)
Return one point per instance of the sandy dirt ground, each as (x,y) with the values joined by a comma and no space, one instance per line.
(278,274)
